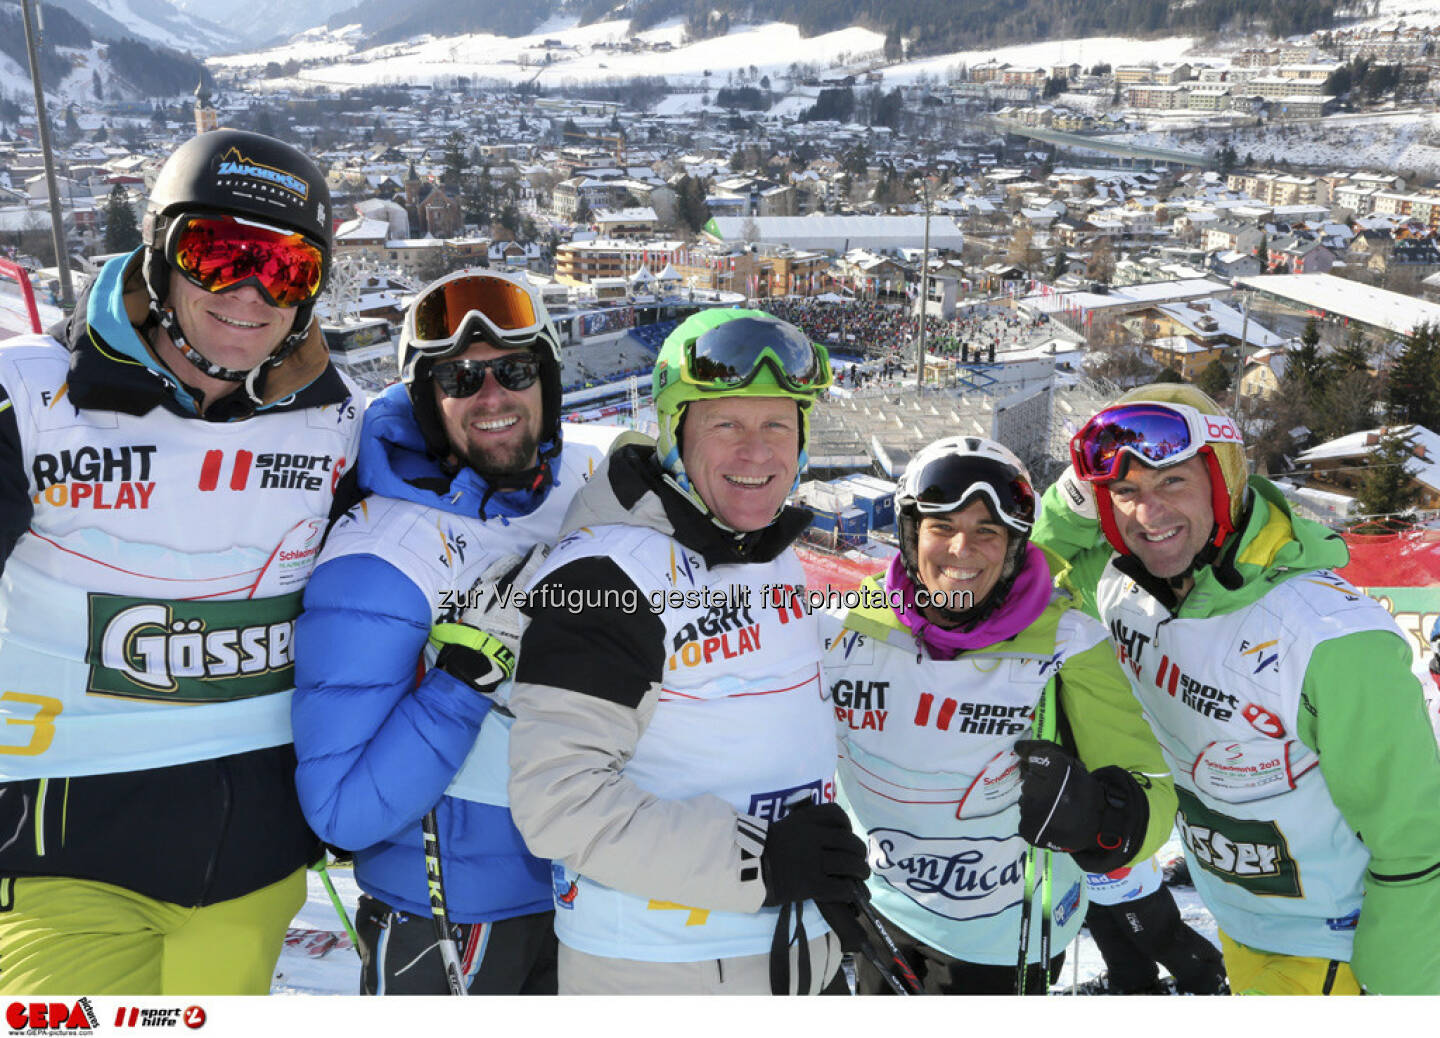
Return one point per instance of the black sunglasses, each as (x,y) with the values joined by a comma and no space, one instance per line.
(462,378)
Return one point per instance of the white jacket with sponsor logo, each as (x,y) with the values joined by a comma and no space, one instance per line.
(146,615)
(651,748)
(1270,852)
(928,771)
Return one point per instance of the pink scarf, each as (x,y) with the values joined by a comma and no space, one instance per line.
(1028,597)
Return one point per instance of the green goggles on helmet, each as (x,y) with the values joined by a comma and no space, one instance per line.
(730,355)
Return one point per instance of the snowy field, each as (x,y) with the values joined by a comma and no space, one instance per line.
(771,48)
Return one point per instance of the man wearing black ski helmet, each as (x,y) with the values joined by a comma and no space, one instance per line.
(233,210)
(158,525)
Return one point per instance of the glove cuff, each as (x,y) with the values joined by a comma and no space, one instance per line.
(482,665)
(1124,817)
(1078,496)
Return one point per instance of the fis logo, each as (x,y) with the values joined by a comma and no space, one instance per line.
(848,642)
(234,164)
(62,1017)
(1335,584)
(191,652)
(1261,655)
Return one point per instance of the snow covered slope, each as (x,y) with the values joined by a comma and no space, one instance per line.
(153,21)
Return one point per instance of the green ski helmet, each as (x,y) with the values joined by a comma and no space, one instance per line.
(720,353)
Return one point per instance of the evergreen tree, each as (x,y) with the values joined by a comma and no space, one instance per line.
(1413,391)
(1387,488)
(121,232)
(1353,358)
(1215,378)
(690,209)
(454,161)
(1306,372)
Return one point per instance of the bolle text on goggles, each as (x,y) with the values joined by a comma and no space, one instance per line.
(730,355)
(1158,434)
(220,253)
(950,482)
(451,312)
(462,378)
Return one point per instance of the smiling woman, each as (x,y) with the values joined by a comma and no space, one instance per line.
(968,607)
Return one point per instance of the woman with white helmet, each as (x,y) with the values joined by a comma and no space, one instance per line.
(982,718)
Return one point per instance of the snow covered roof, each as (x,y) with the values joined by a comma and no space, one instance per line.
(1228,322)
(834,233)
(362,229)
(1374,306)
(1425,469)
(1153,292)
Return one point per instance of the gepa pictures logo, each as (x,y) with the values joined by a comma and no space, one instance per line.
(51,1017)
(234,164)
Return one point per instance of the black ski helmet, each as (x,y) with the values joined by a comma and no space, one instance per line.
(236,173)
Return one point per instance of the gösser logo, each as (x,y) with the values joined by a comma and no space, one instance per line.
(191,651)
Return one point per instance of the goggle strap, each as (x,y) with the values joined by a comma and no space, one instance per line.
(1219,497)
(1105,509)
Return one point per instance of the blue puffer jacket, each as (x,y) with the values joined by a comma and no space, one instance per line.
(377,750)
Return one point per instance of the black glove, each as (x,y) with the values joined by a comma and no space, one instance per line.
(811,855)
(1098,818)
(477,658)
(844,919)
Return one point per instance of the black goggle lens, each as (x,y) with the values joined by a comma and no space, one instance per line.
(462,378)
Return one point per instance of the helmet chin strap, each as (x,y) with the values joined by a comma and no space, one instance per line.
(251,379)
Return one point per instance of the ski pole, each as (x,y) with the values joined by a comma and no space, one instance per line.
(449,952)
(1025,912)
(912,982)
(1046,889)
(1044,728)
(320,867)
